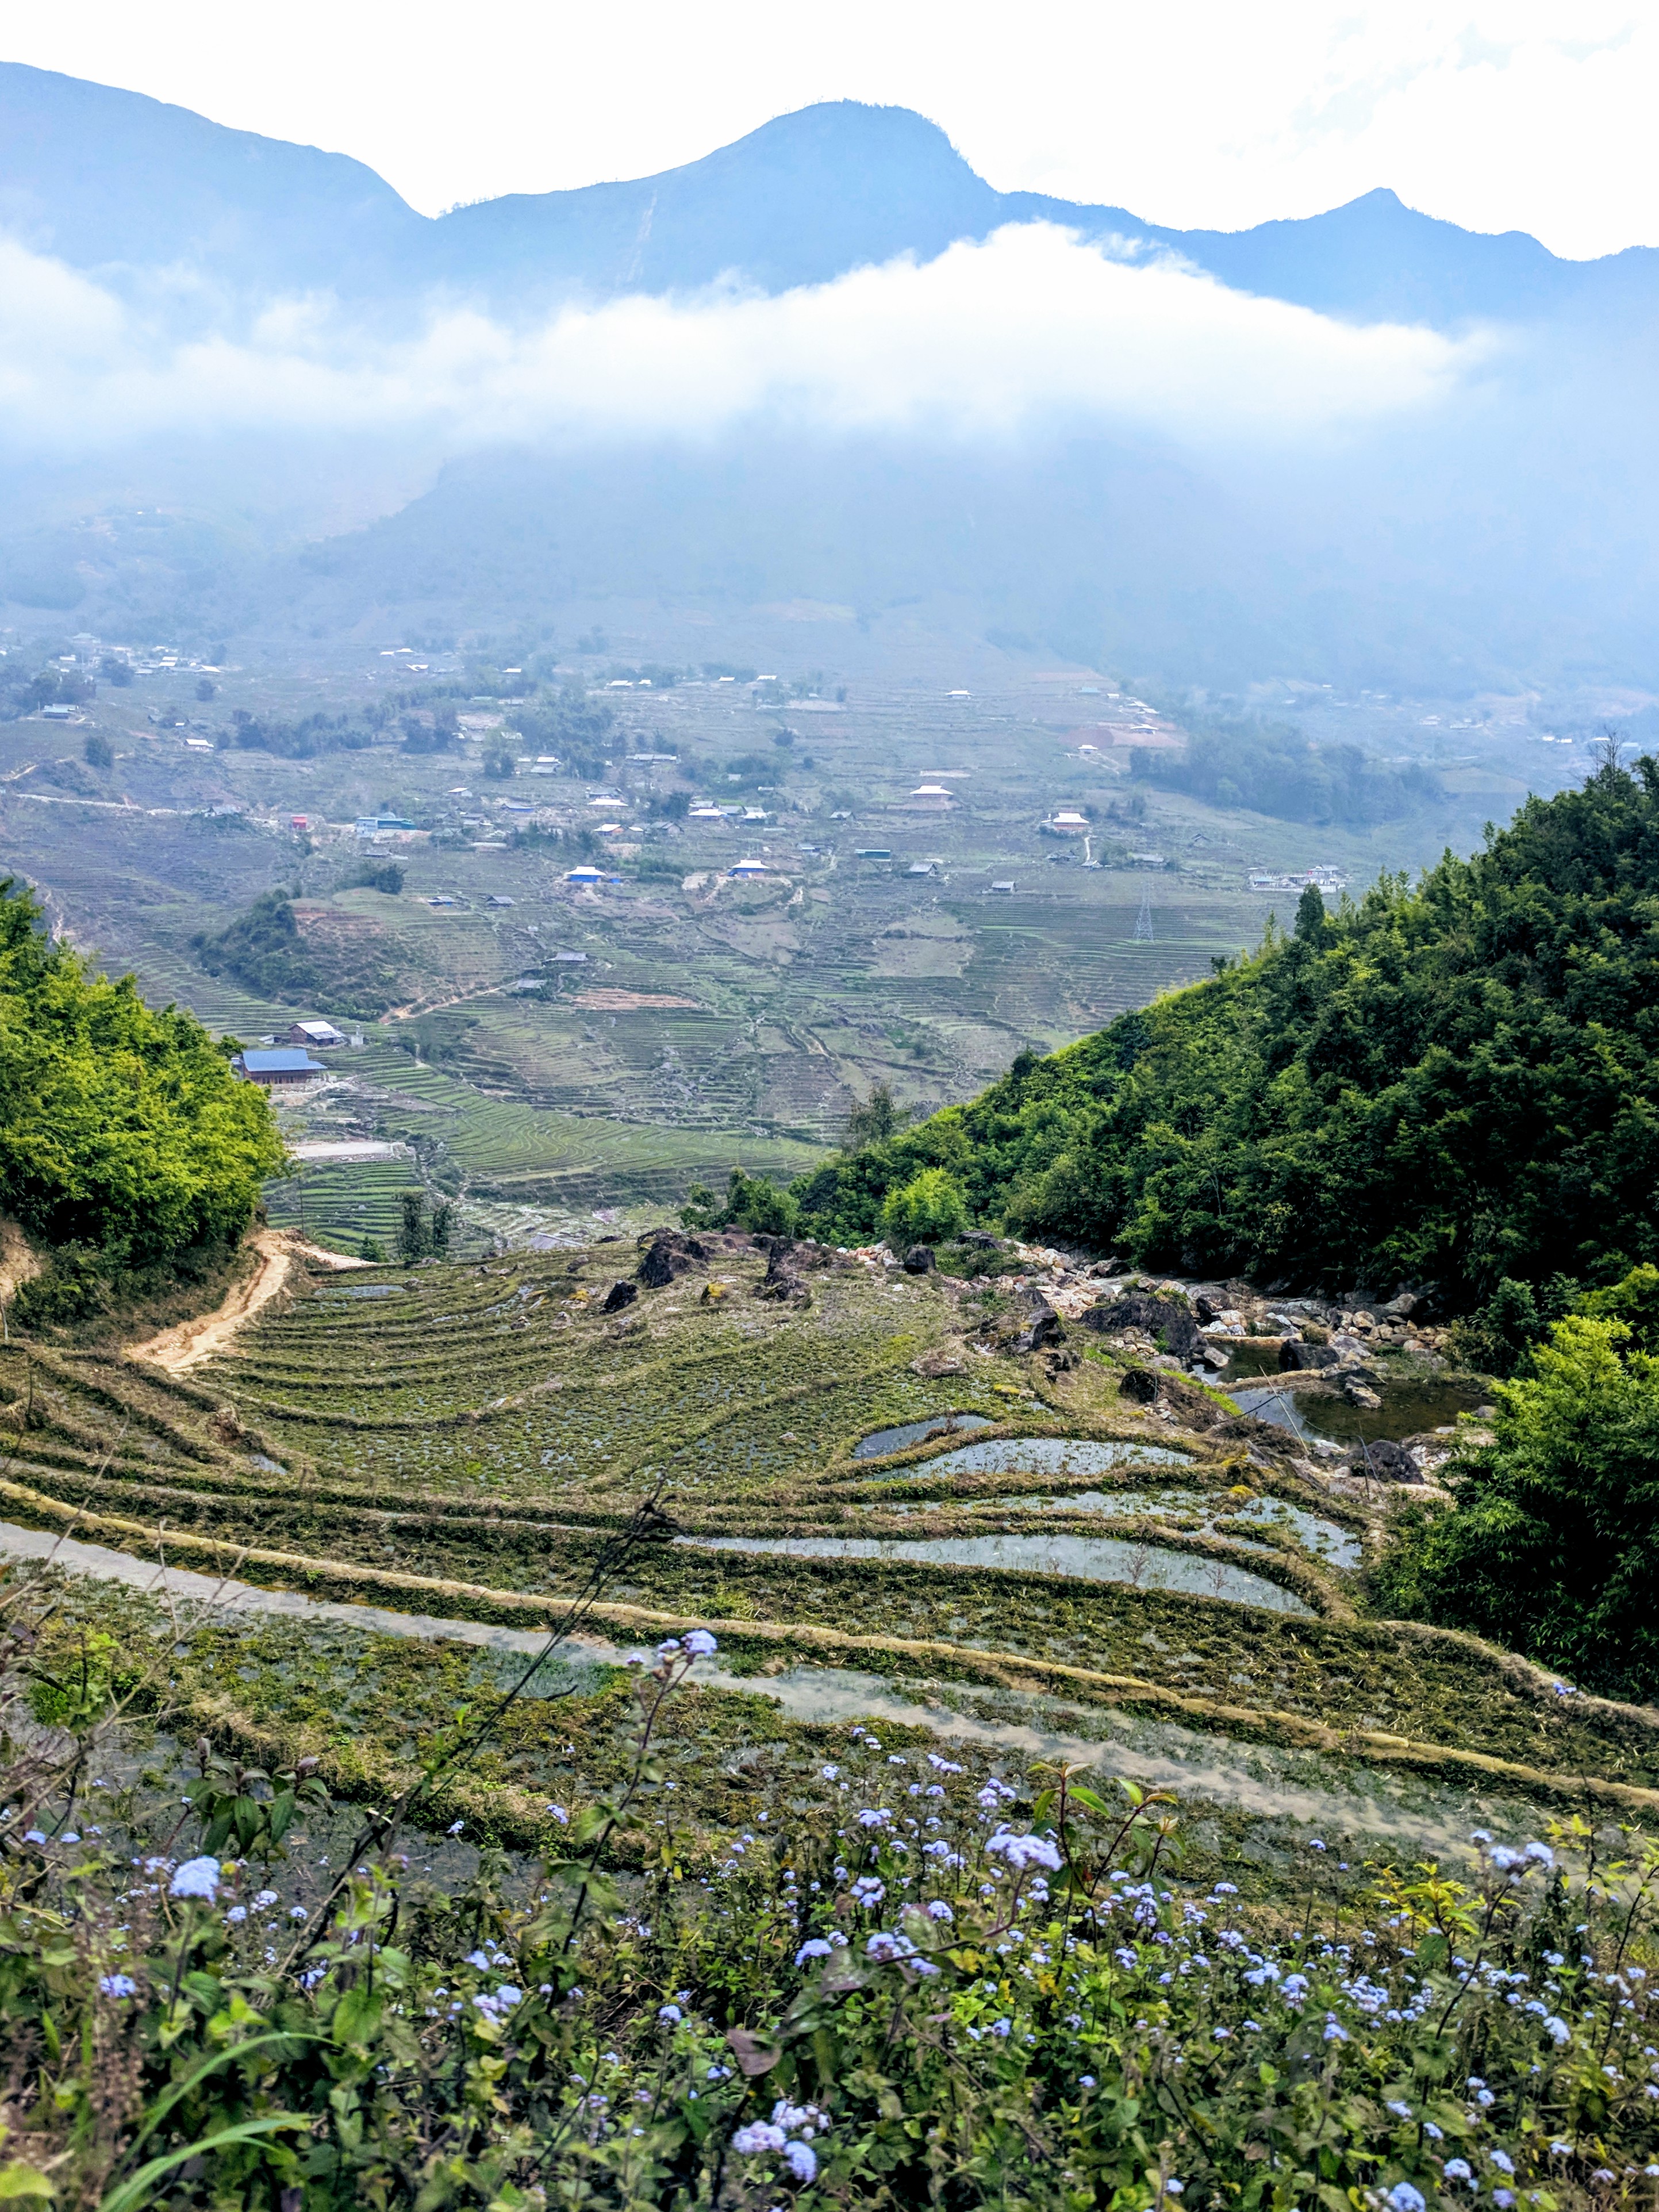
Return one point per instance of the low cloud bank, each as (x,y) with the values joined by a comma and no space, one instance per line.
(1029,330)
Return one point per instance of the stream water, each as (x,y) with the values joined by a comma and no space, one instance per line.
(1408,1409)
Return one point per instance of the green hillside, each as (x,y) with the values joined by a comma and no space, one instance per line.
(1448,1085)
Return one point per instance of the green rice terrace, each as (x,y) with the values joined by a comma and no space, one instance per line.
(887,1509)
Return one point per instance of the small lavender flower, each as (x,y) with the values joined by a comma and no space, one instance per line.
(197,1878)
(758,2135)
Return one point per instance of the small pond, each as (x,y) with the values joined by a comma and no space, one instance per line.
(917,1432)
(367,1291)
(1408,1409)
(1085,1559)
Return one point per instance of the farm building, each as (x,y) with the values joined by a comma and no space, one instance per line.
(279,1070)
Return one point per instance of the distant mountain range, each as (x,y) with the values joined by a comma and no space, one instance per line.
(1498,533)
(111,181)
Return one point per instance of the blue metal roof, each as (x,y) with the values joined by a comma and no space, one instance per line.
(285,1060)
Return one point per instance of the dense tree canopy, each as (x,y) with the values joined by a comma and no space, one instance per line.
(1453,1084)
(120,1128)
(1275,770)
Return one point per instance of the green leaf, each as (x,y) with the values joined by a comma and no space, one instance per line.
(357,2016)
(18,2180)
(130,2195)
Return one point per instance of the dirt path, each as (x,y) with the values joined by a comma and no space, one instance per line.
(188,1343)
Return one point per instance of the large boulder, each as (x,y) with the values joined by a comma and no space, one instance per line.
(1294,1358)
(1170,1322)
(918,1260)
(667,1255)
(1044,1328)
(1385,1462)
(781,1280)
(620,1294)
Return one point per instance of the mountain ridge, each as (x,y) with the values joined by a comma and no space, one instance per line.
(802,199)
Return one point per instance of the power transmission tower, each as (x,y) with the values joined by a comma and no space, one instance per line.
(1144,919)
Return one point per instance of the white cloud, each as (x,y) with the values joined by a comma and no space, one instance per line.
(1030,330)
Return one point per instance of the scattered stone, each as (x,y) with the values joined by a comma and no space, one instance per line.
(1358,1393)
(620,1294)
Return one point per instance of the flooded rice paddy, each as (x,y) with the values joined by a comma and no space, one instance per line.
(1046,1456)
(1083,1558)
(883,1441)
(1408,1409)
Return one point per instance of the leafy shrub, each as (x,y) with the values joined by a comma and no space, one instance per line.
(122,1130)
(752,1202)
(929,1210)
(98,752)
(1553,1544)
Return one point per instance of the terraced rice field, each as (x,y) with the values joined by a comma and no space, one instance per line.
(1073,1577)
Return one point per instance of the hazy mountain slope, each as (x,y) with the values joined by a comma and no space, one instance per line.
(800,200)
(96,176)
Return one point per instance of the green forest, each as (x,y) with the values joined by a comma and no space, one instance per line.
(1450,1085)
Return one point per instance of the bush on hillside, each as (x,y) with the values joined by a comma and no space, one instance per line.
(929,1210)
(1552,1545)
(122,1131)
(752,1202)
(1447,1084)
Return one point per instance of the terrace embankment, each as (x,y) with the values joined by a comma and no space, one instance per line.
(472,1442)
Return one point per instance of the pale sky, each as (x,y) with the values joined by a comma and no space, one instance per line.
(1535,115)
